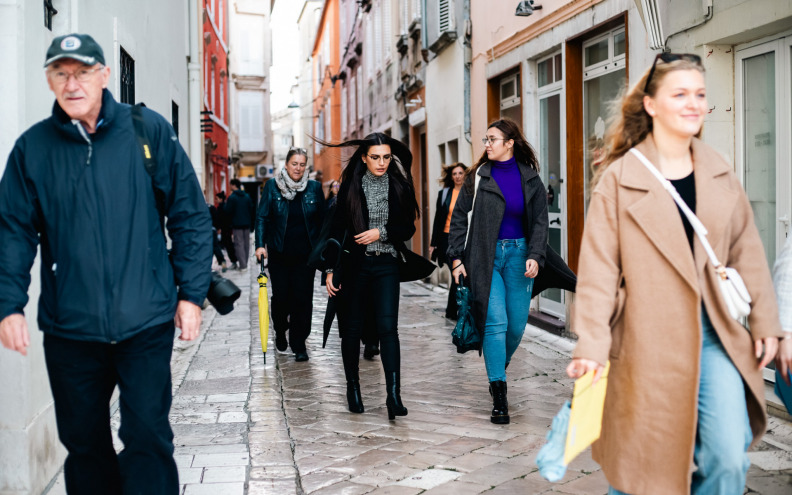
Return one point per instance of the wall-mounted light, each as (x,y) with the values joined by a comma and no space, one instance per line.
(526,8)
(414,102)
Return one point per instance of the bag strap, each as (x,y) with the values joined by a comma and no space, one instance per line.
(470,220)
(701,231)
(148,159)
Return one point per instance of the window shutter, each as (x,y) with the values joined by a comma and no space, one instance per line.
(444,15)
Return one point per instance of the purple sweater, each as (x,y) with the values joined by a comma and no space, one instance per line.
(507,176)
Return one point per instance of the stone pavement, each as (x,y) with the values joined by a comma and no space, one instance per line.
(246,426)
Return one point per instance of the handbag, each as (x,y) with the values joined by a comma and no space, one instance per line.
(732,288)
(465,335)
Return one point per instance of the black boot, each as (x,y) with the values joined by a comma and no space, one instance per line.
(500,406)
(393,401)
(354,399)
(370,350)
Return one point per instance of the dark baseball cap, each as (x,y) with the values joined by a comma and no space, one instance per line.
(80,47)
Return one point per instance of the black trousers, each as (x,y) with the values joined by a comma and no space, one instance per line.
(216,248)
(227,241)
(291,282)
(373,285)
(82,377)
(452,308)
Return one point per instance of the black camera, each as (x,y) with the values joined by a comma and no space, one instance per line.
(223,293)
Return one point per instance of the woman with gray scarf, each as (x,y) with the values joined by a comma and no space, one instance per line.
(288,224)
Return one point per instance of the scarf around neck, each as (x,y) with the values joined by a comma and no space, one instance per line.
(288,187)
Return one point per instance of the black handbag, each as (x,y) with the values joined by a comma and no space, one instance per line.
(465,335)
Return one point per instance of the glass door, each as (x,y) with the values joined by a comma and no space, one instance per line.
(552,168)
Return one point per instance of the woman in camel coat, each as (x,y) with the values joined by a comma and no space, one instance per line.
(647,295)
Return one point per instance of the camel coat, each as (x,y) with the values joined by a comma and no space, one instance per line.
(638,303)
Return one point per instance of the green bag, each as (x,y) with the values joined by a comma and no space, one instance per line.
(465,336)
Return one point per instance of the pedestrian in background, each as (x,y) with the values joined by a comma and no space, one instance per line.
(332,194)
(505,250)
(374,216)
(288,226)
(240,210)
(217,249)
(225,229)
(452,179)
(685,383)
(110,294)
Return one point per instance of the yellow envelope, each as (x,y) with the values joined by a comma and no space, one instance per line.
(585,419)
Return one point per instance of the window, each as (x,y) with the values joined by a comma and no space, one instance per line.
(127,78)
(222,100)
(510,103)
(49,13)
(251,121)
(220,18)
(344,111)
(378,38)
(175,117)
(352,99)
(549,70)
(212,84)
(369,48)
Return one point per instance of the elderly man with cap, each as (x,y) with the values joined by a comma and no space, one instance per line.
(75,184)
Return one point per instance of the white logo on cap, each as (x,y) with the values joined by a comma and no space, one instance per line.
(70,43)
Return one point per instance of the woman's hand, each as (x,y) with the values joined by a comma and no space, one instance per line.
(331,289)
(431,250)
(531,269)
(784,357)
(459,268)
(579,367)
(367,237)
(770,345)
(261,253)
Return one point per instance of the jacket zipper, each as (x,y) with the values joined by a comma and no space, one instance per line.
(103,318)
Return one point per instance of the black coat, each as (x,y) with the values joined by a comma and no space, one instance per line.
(273,215)
(400,228)
(479,255)
(441,213)
(240,210)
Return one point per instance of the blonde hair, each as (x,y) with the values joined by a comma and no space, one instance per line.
(631,124)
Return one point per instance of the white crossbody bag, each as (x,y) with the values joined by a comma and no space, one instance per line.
(473,205)
(732,287)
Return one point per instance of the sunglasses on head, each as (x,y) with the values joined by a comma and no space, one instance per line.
(300,150)
(670,57)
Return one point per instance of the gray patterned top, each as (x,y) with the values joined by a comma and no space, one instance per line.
(782,276)
(376,191)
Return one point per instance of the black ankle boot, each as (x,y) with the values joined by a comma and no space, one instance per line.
(500,406)
(393,401)
(369,351)
(354,399)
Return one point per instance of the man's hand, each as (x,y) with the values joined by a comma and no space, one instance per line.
(14,333)
(188,320)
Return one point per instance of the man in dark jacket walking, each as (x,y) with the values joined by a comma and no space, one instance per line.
(240,211)
(76,184)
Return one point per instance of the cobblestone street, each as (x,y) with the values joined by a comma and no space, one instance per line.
(244,426)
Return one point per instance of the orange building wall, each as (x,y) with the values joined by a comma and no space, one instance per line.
(328,160)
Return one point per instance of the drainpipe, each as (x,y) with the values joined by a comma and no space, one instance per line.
(704,20)
(468,31)
(194,85)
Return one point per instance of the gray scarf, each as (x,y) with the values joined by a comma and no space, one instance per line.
(287,186)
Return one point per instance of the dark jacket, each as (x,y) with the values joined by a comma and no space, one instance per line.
(273,215)
(89,202)
(479,255)
(239,208)
(399,229)
(441,213)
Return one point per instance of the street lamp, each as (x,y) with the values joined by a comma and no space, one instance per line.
(293,104)
(526,8)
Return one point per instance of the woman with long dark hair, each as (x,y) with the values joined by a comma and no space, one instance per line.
(288,226)
(685,383)
(452,179)
(504,249)
(374,216)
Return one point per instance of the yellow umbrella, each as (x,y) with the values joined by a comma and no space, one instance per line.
(263,307)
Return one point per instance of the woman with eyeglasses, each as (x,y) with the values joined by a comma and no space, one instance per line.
(374,216)
(288,226)
(504,249)
(452,179)
(685,396)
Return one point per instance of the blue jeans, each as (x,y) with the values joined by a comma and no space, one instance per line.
(508,307)
(724,431)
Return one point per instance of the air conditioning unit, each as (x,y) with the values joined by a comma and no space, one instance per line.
(263,171)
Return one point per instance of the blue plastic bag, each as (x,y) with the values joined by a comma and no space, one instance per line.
(551,457)
(783,391)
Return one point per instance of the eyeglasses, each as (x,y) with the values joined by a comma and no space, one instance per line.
(489,140)
(81,75)
(670,57)
(299,150)
(384,158)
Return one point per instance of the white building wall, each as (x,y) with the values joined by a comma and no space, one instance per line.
(30,453)
(303,125)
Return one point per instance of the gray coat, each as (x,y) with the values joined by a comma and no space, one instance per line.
(479,255)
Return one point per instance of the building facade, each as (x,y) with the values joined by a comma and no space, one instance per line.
(308,19)
(326,101)
(215,111)
(251,58)
(141,71)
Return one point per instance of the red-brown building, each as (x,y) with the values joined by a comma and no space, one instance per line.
(215,101)
(327,91)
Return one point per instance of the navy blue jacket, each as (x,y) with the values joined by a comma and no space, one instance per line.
(89,202)
(240,210)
